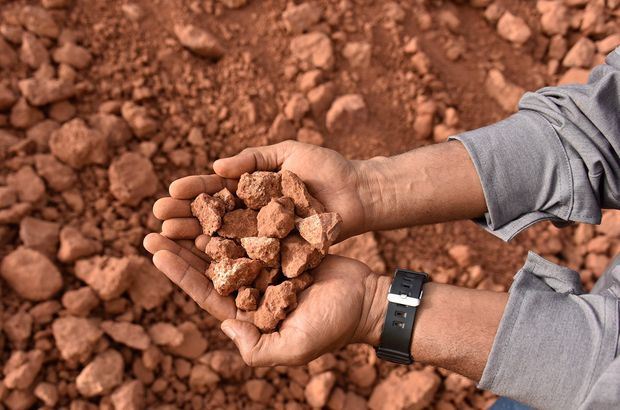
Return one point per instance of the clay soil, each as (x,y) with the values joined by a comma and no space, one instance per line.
(67,218)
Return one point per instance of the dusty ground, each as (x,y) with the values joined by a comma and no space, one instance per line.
(424,70)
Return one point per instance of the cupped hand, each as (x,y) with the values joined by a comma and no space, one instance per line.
(344,305)
(339,184)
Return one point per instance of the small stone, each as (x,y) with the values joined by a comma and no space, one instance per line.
(77,145)
(310,79)
(201,378)
(414,390)
(345,113)
(8,57)
(7,97)
(45,91)
(281,130)
(581,54)
(266,277)
(58,176)
(234,4)
(44,312)
(239,223)
(220,248)
(276,302)
(259,391)
(506,94)
(247,299)
(39,235)
(301,282)
(129,396)
(209,211)
(55,4)
(132,178)
(229,275)
(604,46)
(22,368)
(294,188)
(513,28)
(194,344)
(357,53)
(29,186)
(73,55)
(140,122)
(314,48)
(165,334)
(265,250)
(363,376)
(318,389)
(32,51)
(227,198)
(149,288)
(610,224)
(298,256)
(296,107)
(309,136)
(47,393)
(80,302)
(39,21)
(30,274)
(23,115)
(19,399)
(300,17)
(461,255)
(8,197)
(554,19)
(320,230)
(108,276)
(258,188)
(113,128)
(74,245)
(321,97)
(101,375)
(75,337)
(199,41)
(574,76)
(18,328)
(129,334)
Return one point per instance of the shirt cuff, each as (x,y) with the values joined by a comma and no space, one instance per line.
(553,342)
(524,171)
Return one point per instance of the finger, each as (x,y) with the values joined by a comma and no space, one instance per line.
(181,228)
(271,349)
(195,284)
(201,242)
(194,185)
(254,159)
(167,208)
(190,247)
(155,242)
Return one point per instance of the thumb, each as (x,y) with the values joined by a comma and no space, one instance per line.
(267,158)
(245,336)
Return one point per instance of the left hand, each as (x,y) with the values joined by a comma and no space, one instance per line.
(345,304)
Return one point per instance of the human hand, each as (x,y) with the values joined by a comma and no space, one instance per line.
(345,304)
(339,184)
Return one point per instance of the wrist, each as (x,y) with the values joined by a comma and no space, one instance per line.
(374,310)
(375,189)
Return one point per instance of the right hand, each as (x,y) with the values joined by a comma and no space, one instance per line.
(339,184)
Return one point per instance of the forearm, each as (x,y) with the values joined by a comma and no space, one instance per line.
(454,326)
(427,185)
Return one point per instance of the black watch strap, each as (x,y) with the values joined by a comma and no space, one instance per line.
(403,298)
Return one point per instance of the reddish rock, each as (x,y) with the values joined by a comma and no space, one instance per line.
(414,390)
(22,368)
(73,55)
(201,378)
(8,196)
(80,302)
(258,188)
(39,235)
(276,302)
(581,54)
(294,188)
(247,299)
(313,49)
(140,122)
(358,53)
(506,94)
(320,230)
(29,186)
(129,396)
(229,275)
(300,17)
(75,337)
(227,363)
(58,176)
(301,282)
(39,21)
(309,136)
(259,391)
(266,277)
(296,107)
(132,178)
(227,198)
(30,274)
(239,223)
(574,76)
(101,375)
(23,115)
(194,344)
(321,97)
(8,57)
(277,218)
(266,250)
(43,91)
(209,212)
(297,256)
(74,245)
(165,334)
(18,328)
(113,128)
(47,393)
(363,375)
(281,130)
(461,255)
(129,334)
(220,248)
(108,276)
(149,288)
(77,145)
(345,113)
(513,28)
(199,41)
(318,389)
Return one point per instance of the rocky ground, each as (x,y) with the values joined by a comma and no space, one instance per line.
(103,104)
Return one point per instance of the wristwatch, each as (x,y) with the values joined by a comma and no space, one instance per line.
(403,299)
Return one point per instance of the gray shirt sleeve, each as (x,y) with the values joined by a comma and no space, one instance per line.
(558,158)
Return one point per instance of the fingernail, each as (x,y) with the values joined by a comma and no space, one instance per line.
(229,331)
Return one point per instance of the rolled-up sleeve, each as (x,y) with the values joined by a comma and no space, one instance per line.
(554,342)
(557,158)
